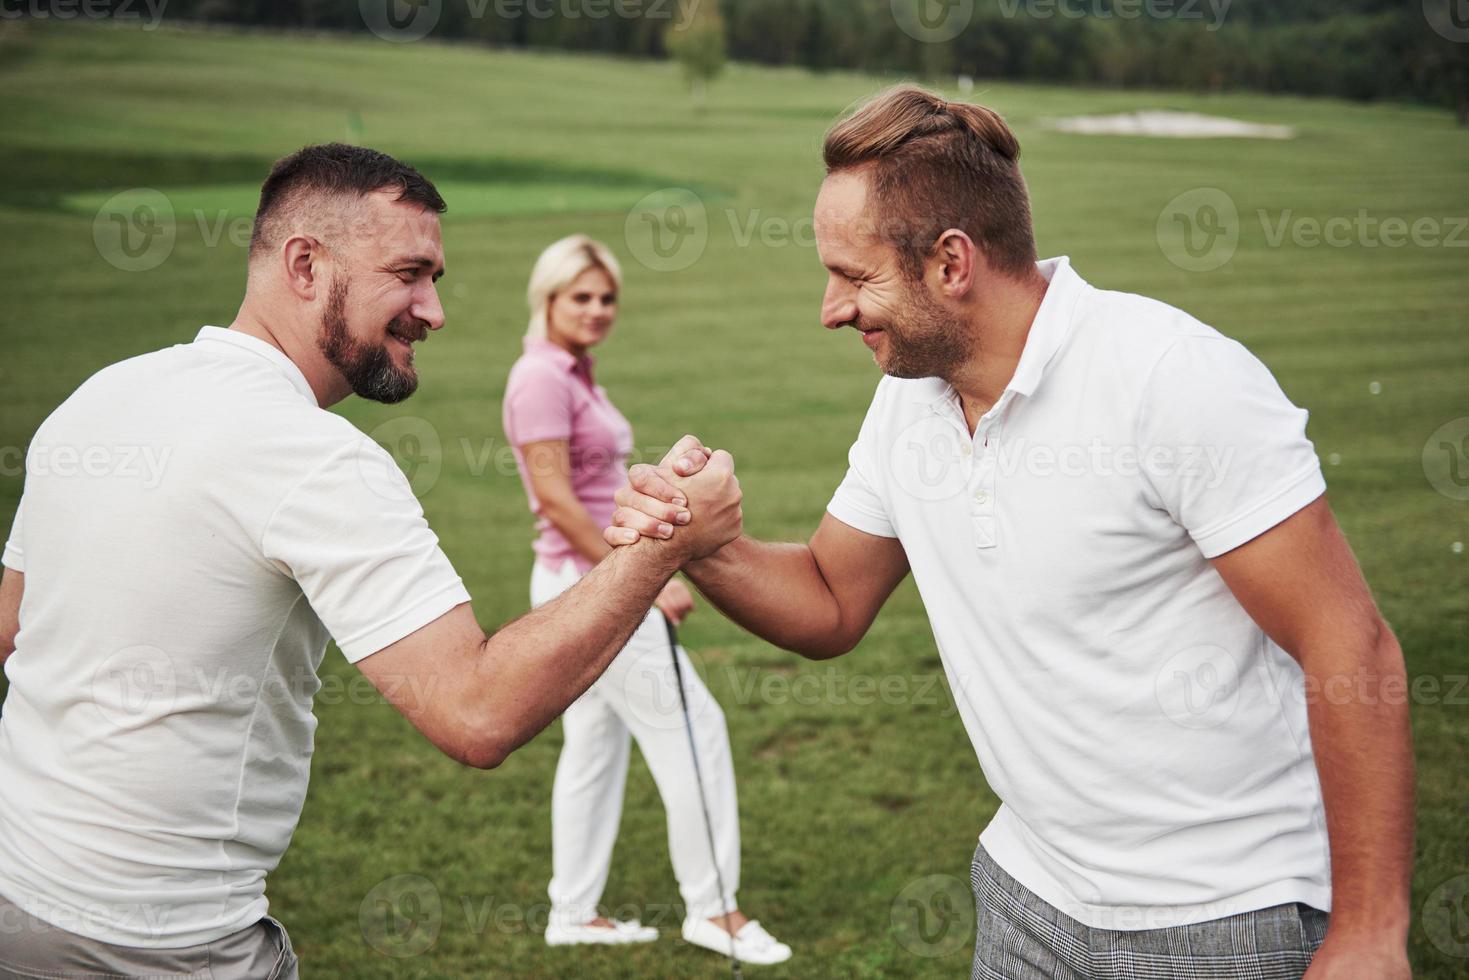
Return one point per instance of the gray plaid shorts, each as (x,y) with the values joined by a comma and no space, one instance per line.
(1020,937)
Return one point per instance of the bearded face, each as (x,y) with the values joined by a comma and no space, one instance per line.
(368,365)
(920,339)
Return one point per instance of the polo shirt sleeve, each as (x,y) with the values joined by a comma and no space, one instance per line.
(14,557)
(538,403)
(859,500)
(1221,447)
(354,538)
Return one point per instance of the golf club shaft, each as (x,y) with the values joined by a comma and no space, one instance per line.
(688,721)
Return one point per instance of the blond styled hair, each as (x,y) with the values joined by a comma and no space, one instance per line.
(935,165)
(558,267)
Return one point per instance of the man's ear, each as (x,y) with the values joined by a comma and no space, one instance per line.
(302,264)
(955,263)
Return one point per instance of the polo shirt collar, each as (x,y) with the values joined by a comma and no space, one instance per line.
(1052,324)
(559,355)
(1048,331)
(255,345)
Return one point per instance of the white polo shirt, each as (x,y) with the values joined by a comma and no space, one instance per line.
(193,530)
(1147,740)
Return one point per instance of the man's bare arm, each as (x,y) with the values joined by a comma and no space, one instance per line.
(1303,587)
(479,698)
(816,599)
(12,585)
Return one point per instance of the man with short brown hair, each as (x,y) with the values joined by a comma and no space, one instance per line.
(1119,531)
(162,628)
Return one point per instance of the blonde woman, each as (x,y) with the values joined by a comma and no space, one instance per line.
(571,445)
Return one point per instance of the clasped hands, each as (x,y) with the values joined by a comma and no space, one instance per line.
(690,501)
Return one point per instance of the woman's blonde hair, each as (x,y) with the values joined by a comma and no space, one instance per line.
(558,267)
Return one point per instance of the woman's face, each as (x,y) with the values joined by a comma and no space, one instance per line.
(582,314)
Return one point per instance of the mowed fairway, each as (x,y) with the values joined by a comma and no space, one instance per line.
(856,778)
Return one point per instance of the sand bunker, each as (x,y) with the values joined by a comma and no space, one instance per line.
(1164,122)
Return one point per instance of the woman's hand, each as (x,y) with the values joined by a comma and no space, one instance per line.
(675,601)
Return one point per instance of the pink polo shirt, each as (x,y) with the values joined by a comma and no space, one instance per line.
(551,395)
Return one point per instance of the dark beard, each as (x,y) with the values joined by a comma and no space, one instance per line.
(368,368)
(930,343)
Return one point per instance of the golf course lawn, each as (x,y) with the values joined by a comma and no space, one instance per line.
(857,782)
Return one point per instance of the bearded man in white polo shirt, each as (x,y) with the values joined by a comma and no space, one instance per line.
(161,625)
(1118,528)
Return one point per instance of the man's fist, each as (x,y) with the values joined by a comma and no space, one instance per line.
(691,486)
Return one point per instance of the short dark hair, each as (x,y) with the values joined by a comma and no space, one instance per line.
(935,165)
(327,169)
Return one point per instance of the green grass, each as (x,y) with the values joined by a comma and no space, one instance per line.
(846,797)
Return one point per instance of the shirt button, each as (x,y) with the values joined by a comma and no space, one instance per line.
(982,496)
(966,449)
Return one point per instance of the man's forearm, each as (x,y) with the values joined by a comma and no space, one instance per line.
(775,591)
(534,668)
(1363,744)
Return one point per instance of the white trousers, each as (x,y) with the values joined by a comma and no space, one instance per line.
(637,696)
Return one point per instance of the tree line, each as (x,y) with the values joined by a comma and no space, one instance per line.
(1415,50)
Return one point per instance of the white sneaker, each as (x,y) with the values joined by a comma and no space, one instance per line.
(752,944)
(620,934)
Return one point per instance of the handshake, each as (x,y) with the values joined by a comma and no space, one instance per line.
(691,500)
